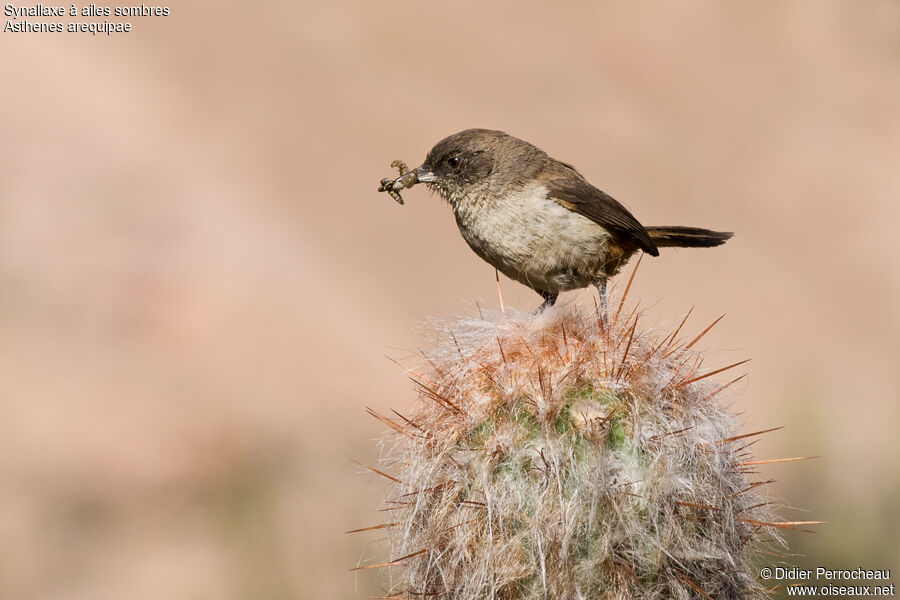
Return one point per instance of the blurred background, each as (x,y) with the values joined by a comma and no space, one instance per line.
(199,283)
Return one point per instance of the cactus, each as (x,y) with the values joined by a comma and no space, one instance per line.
(559,457)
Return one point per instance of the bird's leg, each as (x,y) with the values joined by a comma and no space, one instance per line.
(549,300)
(601,287)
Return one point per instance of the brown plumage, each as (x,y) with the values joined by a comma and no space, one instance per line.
(536,219)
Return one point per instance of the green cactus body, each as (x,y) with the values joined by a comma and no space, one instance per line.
(551,458)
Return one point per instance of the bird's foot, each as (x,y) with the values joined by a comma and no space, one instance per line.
(601,288)
(549,300)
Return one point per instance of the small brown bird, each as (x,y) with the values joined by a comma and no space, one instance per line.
(536,219)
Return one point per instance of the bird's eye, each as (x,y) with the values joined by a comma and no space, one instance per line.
(453,161)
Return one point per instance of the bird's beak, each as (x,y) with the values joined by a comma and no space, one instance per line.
(405,181)
(411,178)
(423,175)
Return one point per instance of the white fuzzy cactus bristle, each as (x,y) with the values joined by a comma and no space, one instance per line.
(553,457)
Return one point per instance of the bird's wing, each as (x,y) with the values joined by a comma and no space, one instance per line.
(577,194)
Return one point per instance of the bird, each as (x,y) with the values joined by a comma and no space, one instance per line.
(536,219)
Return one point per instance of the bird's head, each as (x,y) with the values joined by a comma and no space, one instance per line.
(477,162)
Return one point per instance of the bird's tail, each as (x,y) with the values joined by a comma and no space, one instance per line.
(687,237)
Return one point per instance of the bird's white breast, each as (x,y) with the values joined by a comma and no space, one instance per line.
(531,238)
